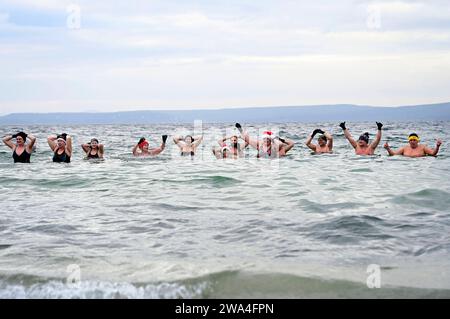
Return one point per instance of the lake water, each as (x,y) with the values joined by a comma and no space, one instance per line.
(172,227)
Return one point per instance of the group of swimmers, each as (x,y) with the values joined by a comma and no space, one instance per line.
(270,146)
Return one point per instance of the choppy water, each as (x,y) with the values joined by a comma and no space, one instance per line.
(171,227)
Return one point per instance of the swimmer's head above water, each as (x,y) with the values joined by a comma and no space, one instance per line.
(363,140)
(413,140)
(143,144)
(267,138)
(61,140)
(189,139)
(20,137)
(322,141)
(94,143)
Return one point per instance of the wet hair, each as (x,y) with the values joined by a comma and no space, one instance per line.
(323,137)
(364,137)
(192,139)
(94,140)
(22,135)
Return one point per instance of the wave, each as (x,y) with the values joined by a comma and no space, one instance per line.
(428,198)
(227,285)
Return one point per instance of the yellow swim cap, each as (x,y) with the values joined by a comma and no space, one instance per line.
(413,137)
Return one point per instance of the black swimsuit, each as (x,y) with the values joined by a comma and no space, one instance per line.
(22,158)
(61,158)
(89,155)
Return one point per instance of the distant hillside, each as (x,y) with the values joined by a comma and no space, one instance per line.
(319,113)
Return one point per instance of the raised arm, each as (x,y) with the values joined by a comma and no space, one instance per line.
(86,148)
(309,140)
(158,150)
(435,151)
(179,141)
(287,144)
(135,148)
(8,141)
(377,140)
(347,135)
(197,141)
(309,144)
(69,145)
(30,145)
(391,152)
(330,140)
(246,143)
(252,142)
(244,135)
(101,150)
(221,141)
(51,140)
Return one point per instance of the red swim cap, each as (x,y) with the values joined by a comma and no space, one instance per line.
(144,143)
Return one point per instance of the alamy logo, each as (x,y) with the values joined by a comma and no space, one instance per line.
(373,21)
(374,278)
(74,17)
(74,276)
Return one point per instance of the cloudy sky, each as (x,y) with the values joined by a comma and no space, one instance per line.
(89,55)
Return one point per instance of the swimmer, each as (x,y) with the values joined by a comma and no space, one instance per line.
(61,146)
(362,146)
(324,142)
(21,150)
(270,146)
(414,149)
(93,149)
(235,149)
(142,147)
(223,152)
(188,145)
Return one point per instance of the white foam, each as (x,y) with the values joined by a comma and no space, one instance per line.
(100,290)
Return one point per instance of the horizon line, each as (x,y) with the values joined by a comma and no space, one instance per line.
(228,108)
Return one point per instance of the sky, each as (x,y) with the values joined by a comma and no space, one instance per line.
(89,55)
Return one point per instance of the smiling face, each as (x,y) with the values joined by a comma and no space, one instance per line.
(60,143)
(413,140)
(94,144)
(188,140)
(234,139)
(322,142)
(20,141)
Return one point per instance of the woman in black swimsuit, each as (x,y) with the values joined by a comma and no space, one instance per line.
(61,145)
(188,145)
(93,150)
(21,151)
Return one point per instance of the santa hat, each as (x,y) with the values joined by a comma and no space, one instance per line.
(267,134)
